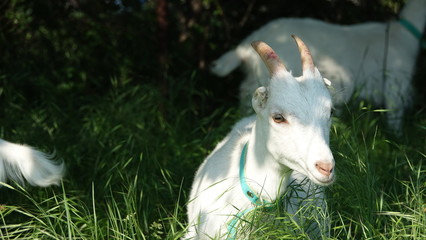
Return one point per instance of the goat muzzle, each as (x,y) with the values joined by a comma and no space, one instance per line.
(324,168)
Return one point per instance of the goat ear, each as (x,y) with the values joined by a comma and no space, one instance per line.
(260,97)
(327,82)
(329,86)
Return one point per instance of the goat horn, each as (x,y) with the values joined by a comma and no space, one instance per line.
(305,55)
(269,57)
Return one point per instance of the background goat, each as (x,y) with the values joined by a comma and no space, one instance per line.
(20,162)
(290,131)
(376,58)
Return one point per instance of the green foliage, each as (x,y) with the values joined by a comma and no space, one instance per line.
(83,79)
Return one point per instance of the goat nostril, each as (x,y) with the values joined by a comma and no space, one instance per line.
(324,168)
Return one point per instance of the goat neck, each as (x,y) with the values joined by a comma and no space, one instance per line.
(266,176)
(415,12)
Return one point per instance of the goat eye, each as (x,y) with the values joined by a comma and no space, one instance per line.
(278,118)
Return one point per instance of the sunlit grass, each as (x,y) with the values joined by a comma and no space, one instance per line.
(130,165)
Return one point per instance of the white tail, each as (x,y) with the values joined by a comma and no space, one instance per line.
(20,163)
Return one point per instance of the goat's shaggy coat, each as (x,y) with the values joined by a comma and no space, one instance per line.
(377,59)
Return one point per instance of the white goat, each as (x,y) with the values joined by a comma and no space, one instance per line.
(19,162)
(253,164)
(376,58)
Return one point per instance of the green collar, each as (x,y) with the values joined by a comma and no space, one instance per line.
(413,30)
(249,193)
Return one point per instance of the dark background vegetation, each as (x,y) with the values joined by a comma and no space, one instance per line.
(68,70)
(78,46)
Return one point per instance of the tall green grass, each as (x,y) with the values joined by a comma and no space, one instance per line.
(83,81)
(131,163)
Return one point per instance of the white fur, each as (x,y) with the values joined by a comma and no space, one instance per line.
(352,57)
(274,151)
(20,162)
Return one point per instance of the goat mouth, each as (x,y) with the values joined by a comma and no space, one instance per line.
(324,182)
(320,181)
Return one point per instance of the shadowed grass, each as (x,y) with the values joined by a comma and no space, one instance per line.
(81,79)
(131,153)
(130,167)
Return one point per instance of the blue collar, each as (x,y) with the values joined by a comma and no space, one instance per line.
(249,193)
(413,30)
(256,200)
